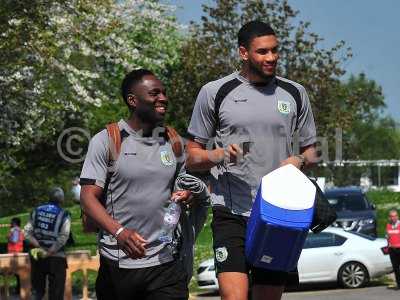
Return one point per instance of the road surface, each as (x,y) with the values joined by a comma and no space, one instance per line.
(368,293)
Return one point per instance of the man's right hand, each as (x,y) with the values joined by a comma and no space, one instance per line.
(199,158)
(132,243)
(233,153)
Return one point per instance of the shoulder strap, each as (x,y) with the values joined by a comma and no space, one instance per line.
(114,149)
(294,92)
(115,141)
(223,91)
(114,138)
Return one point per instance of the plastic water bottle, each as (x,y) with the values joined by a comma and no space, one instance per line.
(171,218)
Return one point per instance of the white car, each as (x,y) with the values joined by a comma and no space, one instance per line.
(349,258)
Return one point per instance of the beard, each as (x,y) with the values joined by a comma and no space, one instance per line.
(255,69)
(146,112)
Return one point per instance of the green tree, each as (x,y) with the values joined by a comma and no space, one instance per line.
(211,52)
(61,64)
(370,136)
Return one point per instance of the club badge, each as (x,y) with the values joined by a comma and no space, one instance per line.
(221,254)
(166,158)
(284,107)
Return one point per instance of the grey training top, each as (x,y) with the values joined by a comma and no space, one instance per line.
(260,118)
(138,191)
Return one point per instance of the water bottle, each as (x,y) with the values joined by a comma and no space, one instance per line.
(171,218)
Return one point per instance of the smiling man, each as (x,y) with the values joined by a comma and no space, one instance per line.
(135,187)
(253,117)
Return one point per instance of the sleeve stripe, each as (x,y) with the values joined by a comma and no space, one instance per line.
(89,181)
(294,92)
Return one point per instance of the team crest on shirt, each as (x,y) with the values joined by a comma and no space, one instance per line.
(221,254)
(166,158)
(284,107)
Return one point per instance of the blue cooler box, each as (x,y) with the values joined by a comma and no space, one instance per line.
(280,219)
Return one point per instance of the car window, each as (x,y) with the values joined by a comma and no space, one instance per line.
(351,202)
(365,236)
(323,239)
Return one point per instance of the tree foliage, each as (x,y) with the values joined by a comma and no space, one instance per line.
(354,106)
(62,62)
(61,65)
(58,57)
(211,53)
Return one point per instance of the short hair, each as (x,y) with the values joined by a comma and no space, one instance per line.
(131,79)
(56,194)
(16,221)
(251,30)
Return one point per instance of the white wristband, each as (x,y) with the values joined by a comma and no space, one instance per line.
(119,231)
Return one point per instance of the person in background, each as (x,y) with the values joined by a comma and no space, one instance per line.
(76,190)
(15,242)
(393,238)
(47,231)
(15,237)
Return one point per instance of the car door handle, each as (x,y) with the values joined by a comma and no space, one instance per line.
(338,253)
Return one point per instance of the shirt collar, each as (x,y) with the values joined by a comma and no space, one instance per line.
(273,81)
(152,139)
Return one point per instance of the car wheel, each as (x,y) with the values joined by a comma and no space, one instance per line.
(353,275)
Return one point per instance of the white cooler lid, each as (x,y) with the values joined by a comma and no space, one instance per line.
(288,188)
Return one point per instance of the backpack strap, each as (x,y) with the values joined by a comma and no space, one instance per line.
(115,142)
(114,149)
(114,145)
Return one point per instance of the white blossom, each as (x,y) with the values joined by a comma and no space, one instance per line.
(84,52)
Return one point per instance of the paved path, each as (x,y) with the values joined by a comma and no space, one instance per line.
(368,293)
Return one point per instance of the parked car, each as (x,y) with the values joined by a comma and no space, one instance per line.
(334,255)
(354,211)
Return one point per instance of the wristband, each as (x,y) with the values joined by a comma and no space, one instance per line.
(119,231)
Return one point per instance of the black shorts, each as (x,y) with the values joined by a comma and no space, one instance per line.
(229,235)
(162,282)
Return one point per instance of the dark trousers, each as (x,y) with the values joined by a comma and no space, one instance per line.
(54,268)
(395,259)
(164,282)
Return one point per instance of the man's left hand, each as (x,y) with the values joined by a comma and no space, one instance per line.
(295,161)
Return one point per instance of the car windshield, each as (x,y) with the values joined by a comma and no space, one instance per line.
(350,202)
(365,236)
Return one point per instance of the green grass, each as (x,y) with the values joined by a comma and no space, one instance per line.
(384,200)
(85,241)
(203,250)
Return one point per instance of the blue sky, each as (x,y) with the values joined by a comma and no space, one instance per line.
(369,27)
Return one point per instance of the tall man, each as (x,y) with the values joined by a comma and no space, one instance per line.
(48,230)
(253,116)
(393,237)
(134,263)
